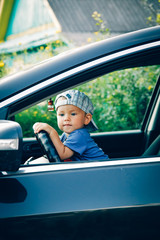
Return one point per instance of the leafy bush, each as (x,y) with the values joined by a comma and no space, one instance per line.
(121,98)
(38,113)
(3,68)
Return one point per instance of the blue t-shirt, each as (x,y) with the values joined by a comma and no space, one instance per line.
(83,146)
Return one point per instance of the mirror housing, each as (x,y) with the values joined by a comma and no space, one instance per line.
(10,145)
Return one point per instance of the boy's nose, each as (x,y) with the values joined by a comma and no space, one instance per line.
(66,118)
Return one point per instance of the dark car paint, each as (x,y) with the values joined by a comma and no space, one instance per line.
(117,199)
(106,201)
(101,224)
(72,187)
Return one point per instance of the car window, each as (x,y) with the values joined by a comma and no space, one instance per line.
(120,100)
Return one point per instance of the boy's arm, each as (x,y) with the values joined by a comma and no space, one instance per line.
(63,151)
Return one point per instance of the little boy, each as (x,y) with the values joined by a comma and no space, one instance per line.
(74,116)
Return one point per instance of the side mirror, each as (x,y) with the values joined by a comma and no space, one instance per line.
(10,145)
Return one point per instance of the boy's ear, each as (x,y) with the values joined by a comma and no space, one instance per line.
(88,118)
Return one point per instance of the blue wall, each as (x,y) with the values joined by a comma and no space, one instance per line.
(28,14)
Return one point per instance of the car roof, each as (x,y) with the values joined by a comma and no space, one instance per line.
(66,61)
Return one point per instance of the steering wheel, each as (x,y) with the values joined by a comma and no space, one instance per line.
(47,146)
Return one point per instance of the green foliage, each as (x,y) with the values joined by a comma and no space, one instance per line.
(153,9)
(3,68)
(38,113)
(102,32)
(120,100)
(100,23)
(16,61)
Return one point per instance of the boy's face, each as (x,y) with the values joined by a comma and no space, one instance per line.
(71,118)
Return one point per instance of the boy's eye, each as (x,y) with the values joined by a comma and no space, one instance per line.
(73,114)
(61,114)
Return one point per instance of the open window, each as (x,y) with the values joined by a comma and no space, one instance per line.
(120,99)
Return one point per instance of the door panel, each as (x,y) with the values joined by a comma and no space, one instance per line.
(120,144)
(31,148)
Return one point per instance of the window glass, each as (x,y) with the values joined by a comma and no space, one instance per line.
(120,100)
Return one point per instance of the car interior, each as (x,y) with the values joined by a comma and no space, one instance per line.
(154,148)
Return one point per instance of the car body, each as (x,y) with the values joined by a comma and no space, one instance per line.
(114,199)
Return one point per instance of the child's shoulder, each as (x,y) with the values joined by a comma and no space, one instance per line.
(81,131)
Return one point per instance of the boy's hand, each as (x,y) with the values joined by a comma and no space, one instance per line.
(63,151)
(37,127)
